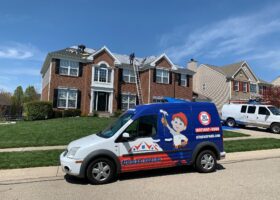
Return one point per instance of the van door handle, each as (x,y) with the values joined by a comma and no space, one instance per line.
(158,140)
(168,139)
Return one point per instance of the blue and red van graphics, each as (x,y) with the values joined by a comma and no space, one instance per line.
(177,135)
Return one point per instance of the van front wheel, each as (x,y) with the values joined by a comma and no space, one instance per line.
(230,122)
(206,162)
(101,171)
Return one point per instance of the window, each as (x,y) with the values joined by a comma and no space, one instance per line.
(243,109)
(69,68)
(158,100)
(162,76)
(183,80)
(67,98)
(102,74)
(253,88)
(263,111)
(251,109)
(128,76)
(236,86)
(145,126)
(244,85)
(128,101)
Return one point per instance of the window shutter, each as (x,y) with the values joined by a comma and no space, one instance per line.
(55,93)
(179,79)
(119,101)
(188,80)
(170,77)
(248,88)
(80,69)
(155,75)
(79,99)
(137,100)
(57,65)
(120,74)
(240,86)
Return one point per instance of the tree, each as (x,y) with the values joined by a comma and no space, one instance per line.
(17,101)
(5,103)
(30,94)
(272,96)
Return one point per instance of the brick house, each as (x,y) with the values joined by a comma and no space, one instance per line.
(230,83)
(99,80)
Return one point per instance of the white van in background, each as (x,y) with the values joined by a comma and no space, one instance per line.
(266,116)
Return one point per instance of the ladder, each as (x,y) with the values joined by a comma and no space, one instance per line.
(138,82)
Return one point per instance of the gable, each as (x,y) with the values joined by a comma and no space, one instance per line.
(163,62)
(248,72)
(241,75)
(103,56)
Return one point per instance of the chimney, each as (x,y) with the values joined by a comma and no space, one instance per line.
(192,65)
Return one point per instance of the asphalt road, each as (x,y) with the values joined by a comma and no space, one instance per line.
(252,180)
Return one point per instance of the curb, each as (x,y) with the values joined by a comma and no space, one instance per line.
(16,176)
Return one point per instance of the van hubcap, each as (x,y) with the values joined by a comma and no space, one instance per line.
(207,161)
(101,171)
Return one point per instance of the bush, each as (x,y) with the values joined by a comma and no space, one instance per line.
(118,113)
(66,113)
(37,110)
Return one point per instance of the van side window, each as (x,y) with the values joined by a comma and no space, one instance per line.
(263,111)
(251,109)
(145,126)
(243,109)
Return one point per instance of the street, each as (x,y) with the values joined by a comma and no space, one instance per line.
(253,179)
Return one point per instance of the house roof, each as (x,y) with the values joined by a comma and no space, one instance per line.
(264,82)
(122,59)
(227,70)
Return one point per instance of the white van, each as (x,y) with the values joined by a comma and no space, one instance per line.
(266,116)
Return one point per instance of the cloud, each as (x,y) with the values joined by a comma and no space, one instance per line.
(20,51)
(240,36)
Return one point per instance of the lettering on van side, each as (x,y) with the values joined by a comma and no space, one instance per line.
(140,161)
(208,129)
(208,136)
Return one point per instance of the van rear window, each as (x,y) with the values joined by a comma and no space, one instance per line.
(251,109)
(243,109)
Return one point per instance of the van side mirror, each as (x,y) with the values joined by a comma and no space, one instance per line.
(125,135)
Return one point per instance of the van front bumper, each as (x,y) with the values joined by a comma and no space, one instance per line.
(223,155)
(70,166)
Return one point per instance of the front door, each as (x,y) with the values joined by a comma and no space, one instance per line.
(101,100)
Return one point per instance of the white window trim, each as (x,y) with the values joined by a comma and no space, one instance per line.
(69,67)
(128,99)
(234,85)
(130,75)
(98,74)
(185,85)
(67,98)
(161,76)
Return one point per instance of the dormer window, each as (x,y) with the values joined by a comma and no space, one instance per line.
(69,68)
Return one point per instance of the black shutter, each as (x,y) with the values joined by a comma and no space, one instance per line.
(188,80)
(55,93)
(120,74)
(179,79)
(80,69)
(170,77)
(57,65)
(155,75)
(119,101)
(137,100)
(79,99)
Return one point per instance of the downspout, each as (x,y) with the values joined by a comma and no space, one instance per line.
(50,76)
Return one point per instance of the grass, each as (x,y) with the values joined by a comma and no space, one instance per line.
(251,144)
(49,132)
(51,157)
(232,134)
(12,160)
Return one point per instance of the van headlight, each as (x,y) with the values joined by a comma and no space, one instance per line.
(72,152)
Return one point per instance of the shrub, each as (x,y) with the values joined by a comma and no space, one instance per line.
(37,110)
(118,113)
(57,113)
(71,113)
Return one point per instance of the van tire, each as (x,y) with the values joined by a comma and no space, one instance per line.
(275,128)
(230,122)
(206,162)
(101,171)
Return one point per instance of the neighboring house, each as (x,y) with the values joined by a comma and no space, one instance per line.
(99,80)
(231,83)
(276,82)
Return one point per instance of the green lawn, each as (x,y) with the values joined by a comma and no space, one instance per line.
(49,132)
(51,158)
(231,134)
(251,144)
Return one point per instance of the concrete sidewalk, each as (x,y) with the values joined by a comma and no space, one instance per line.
(13,176)
(43,148)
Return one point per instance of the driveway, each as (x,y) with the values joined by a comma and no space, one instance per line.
(255,179)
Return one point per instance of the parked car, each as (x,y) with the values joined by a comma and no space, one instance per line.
(266,116)
(148,137)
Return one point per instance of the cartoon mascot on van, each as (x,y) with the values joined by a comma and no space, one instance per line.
(179,123)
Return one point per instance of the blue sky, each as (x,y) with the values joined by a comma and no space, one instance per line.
(212,32)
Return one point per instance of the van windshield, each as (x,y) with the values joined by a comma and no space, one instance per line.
(274,110)
(116,125)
